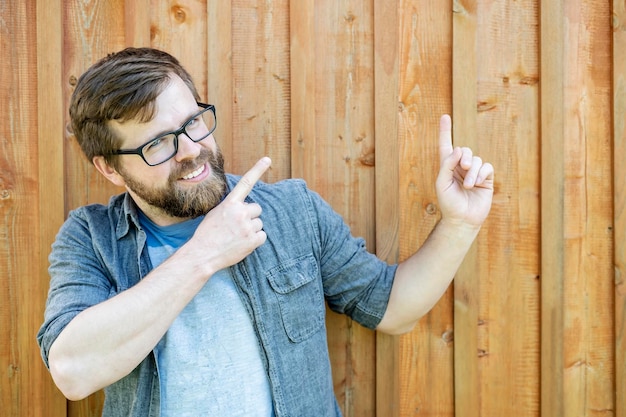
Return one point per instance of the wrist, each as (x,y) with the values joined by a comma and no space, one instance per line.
(193,262)
(458,228)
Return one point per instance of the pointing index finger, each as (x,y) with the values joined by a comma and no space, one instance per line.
(249,179)
(445,137)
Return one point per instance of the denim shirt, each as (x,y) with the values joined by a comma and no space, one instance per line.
(309,258)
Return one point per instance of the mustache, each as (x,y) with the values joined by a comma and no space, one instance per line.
(205,156)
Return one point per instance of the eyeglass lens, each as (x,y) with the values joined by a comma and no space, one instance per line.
(163,148)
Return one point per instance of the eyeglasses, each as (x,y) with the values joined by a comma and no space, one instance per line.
(165,146)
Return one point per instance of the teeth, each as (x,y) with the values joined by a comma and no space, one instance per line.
(194,174)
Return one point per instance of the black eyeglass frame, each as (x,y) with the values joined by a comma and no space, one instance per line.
(176,133)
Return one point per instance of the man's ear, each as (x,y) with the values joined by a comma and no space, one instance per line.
(108,171)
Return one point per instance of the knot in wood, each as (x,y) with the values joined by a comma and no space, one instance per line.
(179,13)
(431,208)
(369,159)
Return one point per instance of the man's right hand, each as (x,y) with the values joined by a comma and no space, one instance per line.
(233,229)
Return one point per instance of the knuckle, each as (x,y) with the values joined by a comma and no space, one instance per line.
(246,183)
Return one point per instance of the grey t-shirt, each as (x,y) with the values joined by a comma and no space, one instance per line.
(209,361)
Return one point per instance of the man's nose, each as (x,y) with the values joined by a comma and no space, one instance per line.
(187,148)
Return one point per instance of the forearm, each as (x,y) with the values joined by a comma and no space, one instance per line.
(423,278)
(106,342)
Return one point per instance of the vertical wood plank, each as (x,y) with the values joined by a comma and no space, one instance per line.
(577,286)
(386,100)
(619,202)
(25,385)
(261,83)
(220,74)
(507,127)
(180,29)
(552,207)
(88,35)
(137,23)
(333,136)
(344,171)
(336,155)
(425,92)
(466,284)
(589,276)
(303,86)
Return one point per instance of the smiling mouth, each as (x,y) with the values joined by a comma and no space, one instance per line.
(195,173)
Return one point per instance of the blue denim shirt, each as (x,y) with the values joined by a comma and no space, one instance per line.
(309,257)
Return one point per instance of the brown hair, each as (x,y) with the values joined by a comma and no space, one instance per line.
(122,86)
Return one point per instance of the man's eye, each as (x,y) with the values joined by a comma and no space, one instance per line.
(155,145)
(193,122)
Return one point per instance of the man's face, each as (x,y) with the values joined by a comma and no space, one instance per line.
(182,201)
(189,184)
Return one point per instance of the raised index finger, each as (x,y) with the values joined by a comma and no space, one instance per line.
(445,137)
(245,184)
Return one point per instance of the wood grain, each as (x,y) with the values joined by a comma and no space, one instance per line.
(180,28)
(137,23)
(88,35)
(619,200)
(261,86)
(588,216)
(220,74)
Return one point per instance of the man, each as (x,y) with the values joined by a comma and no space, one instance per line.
(201,293)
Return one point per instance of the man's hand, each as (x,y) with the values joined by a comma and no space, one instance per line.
(465,183)
(233,229)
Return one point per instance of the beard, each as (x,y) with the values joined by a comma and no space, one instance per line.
(185,202)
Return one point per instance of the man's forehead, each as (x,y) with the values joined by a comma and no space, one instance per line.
(172,108)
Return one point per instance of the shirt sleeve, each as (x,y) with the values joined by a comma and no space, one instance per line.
(77,280)
(355,281)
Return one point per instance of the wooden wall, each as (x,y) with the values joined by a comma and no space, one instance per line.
(347,94)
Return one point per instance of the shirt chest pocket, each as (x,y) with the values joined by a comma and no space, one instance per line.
(298,289)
